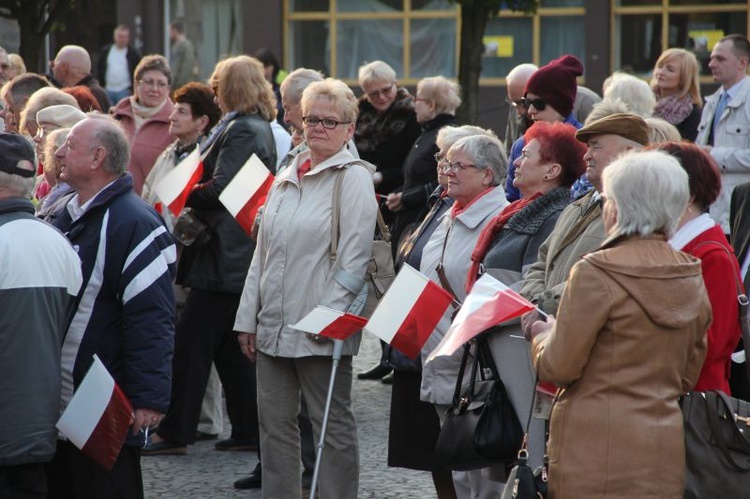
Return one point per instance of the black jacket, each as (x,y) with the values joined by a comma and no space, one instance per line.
(222,263)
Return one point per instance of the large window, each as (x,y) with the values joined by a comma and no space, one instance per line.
(419,38)
(644,28)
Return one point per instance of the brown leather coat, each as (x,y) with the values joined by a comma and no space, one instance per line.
(628,341)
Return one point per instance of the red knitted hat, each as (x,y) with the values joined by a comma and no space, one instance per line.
(556,84)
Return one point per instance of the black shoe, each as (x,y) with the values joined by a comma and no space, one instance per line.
(387,379)
(251,482)
(165,447)
(202,436)
(236,444)
(376,372)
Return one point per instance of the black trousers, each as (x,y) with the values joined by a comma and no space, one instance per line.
(73,475)
(205,335)
(23,481)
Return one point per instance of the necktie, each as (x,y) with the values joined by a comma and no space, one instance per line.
(717,116)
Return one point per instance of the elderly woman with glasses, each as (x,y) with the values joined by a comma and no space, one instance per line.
(385,133)
(435,107)
(629,339)
(474,168)
(292,273)
(144,116)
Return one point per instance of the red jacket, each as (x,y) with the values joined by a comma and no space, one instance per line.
(720,273)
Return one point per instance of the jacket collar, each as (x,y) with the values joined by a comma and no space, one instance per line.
(488,204)
(121,186)
(339,160)
(13,205)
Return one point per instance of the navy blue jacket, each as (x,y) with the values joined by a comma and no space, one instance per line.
(125,309)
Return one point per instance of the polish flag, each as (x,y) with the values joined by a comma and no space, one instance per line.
(409,311)
(330,323)
(175,187)
(247,192)
(98,416)
(490,303)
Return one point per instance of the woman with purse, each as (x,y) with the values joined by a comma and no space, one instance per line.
(699,236)
(551,161)
(215,270)
(292,272)
(474,168)
(628,341)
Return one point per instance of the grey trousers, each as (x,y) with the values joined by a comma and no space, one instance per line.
(280,381)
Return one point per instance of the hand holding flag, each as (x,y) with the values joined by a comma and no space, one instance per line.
(330,323)
(490,303)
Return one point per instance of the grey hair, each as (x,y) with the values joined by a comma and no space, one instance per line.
(521,73)
(606,107)
(296,82)
(376,71)
(633,91)
(486,152)
(15,184)
(650,190)
(110,136)
(444,93)
(449,135)
(52,142)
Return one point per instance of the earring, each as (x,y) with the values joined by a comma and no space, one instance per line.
(546,177)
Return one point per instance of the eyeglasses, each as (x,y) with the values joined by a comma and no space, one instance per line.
(439,157)
(4,66)
(328,123)
(514,103)
(161,85)
(383,91)
(538,104)
(455,167)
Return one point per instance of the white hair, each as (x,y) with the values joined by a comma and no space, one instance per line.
(634,92)
(650,191)
(486,152)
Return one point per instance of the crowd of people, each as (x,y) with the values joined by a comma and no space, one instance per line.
(623,219)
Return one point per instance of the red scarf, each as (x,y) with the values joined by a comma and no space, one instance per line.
(457,209)
(488,234)
(303,169)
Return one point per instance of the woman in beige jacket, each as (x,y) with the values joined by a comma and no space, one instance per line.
(292,273)
(628,341)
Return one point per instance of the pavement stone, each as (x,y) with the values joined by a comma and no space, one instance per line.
(208,473)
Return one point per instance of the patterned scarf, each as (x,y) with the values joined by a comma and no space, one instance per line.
(674,109)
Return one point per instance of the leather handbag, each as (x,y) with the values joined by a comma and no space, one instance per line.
(380,271)
(480,427)
(717,445)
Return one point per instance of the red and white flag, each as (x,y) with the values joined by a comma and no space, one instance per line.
(175,187)
(409,311)
(98,416)
(330,323)
(247,192)
(490,303)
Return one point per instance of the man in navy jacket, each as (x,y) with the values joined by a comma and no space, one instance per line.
(125,310)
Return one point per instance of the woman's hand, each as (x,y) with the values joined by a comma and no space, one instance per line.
(247,345)
(541,326)
(393,201)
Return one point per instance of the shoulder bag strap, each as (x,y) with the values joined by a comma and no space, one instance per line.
(743,302)
(713,399)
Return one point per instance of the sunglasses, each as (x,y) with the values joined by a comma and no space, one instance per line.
(538,104)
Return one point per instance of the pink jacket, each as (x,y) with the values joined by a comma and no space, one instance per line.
(147,143)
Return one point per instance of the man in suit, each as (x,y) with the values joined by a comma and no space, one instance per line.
(723,130)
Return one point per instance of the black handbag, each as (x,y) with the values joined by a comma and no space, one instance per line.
(189,230)
(717,445)
(480,427)
(522,483)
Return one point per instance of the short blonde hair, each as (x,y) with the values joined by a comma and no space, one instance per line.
(16,62)
(634,92)
(376,71)
(335,92)
(241,86)
(52,142)
(660,130)
(689,73)
(444,93)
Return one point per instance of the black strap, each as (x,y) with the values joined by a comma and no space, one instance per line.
(713,398)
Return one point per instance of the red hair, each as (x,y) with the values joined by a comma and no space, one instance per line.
(558,144)
(703,174)
(85,98)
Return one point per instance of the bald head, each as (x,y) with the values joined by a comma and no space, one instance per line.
(516,82)
(72,64)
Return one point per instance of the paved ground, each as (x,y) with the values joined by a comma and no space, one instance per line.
(207,473)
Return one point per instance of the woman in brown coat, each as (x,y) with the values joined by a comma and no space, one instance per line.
(628,341)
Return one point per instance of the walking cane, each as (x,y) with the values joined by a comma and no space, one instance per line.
(338,348)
